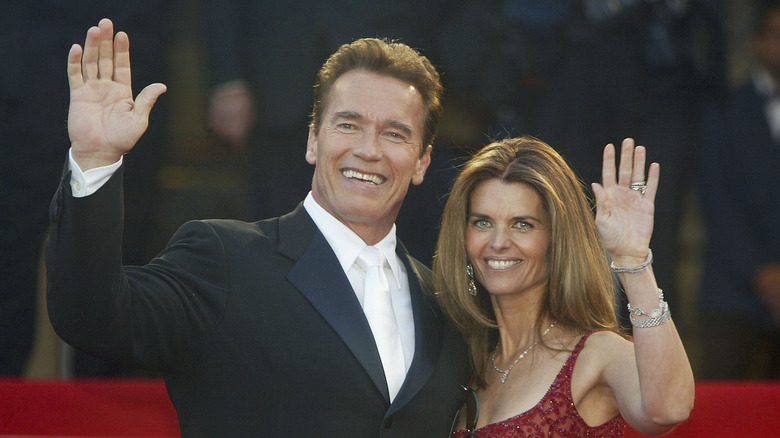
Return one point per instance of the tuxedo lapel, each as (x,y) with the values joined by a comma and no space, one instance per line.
(317,274)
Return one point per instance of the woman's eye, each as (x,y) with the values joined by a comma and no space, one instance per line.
(523,226)
(481,223)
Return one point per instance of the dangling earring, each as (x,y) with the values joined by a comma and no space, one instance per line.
(472,285)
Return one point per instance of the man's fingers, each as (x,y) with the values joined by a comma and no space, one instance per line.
(75,78)
(106,50)
(122,59)
(146,99)
(104,56)
(89,58)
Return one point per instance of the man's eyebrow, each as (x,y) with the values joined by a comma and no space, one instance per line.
(402,126)
(350,115)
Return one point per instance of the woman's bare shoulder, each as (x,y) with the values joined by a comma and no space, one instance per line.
(605,346)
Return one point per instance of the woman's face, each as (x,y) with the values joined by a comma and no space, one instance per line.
(507,237)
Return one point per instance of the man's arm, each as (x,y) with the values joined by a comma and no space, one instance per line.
(133,315)
(84,262)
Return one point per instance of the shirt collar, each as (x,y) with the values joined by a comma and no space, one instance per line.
(345,243)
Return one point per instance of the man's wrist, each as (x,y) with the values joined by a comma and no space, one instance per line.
(84,183)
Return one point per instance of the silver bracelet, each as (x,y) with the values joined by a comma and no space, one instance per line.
(655,318)
(633,269)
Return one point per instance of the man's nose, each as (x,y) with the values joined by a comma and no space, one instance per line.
(369,146)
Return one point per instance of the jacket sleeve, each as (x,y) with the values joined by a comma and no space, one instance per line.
(147,316)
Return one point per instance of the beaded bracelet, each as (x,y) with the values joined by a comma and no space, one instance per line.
(633,269)
(655,318)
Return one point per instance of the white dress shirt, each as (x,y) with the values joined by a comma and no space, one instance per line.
(347,245)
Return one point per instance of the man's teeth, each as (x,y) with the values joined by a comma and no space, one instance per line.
(502,264)
(375,179)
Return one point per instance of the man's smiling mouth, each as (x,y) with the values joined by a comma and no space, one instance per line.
(353,174)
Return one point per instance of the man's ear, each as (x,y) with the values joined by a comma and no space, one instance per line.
(311,147)
(421,166)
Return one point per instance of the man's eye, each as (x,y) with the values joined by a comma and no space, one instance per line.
(395,136)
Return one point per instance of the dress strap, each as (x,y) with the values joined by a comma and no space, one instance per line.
(568,367)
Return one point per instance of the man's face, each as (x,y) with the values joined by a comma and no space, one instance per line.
(367,151)
(767,45)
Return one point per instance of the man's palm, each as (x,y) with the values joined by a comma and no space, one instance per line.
(104,122)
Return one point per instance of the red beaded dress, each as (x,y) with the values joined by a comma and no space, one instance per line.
(554,416)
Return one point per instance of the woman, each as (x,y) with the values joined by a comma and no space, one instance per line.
(521,269)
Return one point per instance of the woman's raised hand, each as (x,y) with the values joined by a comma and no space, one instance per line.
(625,202)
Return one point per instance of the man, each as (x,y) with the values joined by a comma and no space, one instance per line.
(258,327)
(740,200)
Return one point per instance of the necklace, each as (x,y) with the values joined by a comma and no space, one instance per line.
(505,373)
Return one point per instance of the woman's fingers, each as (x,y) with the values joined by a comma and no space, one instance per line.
(631,169)
(608,166)
(653,177)
(638,172)
(626,169)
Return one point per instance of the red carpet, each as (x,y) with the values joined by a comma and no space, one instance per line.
(92,408)
(141,408)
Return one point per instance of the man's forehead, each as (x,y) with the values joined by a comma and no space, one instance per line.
(358,83)
(371,96)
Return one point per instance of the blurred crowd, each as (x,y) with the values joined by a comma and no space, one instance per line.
(575,73)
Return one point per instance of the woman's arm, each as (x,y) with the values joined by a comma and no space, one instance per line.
(655,387)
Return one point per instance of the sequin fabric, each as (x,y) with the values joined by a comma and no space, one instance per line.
(554,416)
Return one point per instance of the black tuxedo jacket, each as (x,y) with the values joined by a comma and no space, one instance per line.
(254,326)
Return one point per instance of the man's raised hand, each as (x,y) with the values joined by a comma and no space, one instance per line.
(104,122)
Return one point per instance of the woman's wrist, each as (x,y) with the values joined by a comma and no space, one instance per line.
(631,264)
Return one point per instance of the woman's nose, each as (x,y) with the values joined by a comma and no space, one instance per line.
(499,239)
